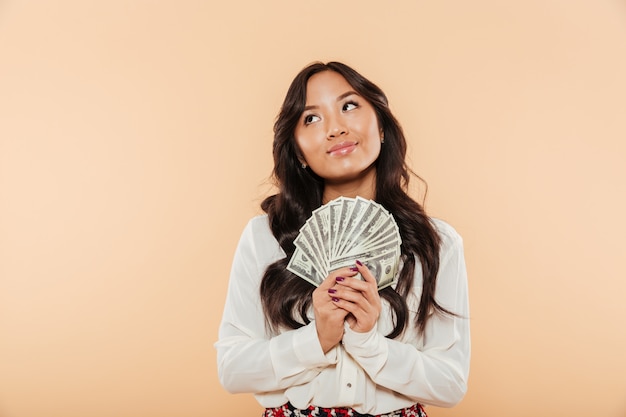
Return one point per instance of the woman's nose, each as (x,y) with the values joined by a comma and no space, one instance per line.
(336,128)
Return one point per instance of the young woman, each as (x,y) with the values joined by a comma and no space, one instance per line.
(344,348)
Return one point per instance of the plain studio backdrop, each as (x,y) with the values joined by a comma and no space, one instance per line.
(135,143)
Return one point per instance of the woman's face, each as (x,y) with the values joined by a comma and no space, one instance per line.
(338,132)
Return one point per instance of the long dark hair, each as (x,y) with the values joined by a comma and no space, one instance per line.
(286,298)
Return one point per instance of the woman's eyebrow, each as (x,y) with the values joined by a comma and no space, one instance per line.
(341,97)
(346,94)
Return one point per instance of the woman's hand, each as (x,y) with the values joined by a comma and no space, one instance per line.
(329,317)
(359,298)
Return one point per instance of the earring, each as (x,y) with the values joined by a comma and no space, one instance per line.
(304,165)
(382,139)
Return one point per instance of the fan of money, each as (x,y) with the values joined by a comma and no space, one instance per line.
(342,231)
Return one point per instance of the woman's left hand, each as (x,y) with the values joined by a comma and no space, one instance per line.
(360,298)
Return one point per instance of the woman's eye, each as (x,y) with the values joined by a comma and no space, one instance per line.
(310,119)
(350,106)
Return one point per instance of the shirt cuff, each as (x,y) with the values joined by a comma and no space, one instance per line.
(368,345)
(299,349)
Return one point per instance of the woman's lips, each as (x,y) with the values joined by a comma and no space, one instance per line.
(342,148)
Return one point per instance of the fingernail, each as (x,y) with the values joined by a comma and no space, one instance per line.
(339,279)
(354,268)
(332,291)
(335,299)
(359,263)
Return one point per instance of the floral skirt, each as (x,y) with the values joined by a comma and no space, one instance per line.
(288,410)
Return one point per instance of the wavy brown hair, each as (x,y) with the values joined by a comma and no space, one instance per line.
(285,297)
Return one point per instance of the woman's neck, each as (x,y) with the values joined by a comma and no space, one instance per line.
(364,186)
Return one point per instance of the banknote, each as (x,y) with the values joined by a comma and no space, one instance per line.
(302,266)
(342,231)
(322,219)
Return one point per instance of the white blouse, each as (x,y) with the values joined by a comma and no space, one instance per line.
(367,371)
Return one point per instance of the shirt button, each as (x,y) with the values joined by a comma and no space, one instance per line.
(349,385)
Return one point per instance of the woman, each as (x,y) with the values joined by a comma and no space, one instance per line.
(344,348)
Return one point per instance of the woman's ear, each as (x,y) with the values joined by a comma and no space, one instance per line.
(300,157)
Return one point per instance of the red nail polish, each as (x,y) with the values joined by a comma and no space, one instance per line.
(335,299)
(339,279)
(332,291)
(359,263)
(354,268)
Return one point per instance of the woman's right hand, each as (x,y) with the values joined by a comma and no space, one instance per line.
(329,319)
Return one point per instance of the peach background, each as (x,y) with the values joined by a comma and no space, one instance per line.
(135,144)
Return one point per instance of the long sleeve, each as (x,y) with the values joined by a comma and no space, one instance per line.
(367,371)
(248,359)
(432,369)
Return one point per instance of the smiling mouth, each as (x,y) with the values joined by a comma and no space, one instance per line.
(342,148)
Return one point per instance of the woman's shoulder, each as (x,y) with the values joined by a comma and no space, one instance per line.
(448,234)
(259,221)
(258,227)
(258,237)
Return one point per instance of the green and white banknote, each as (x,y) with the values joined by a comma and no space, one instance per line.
(345,230)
